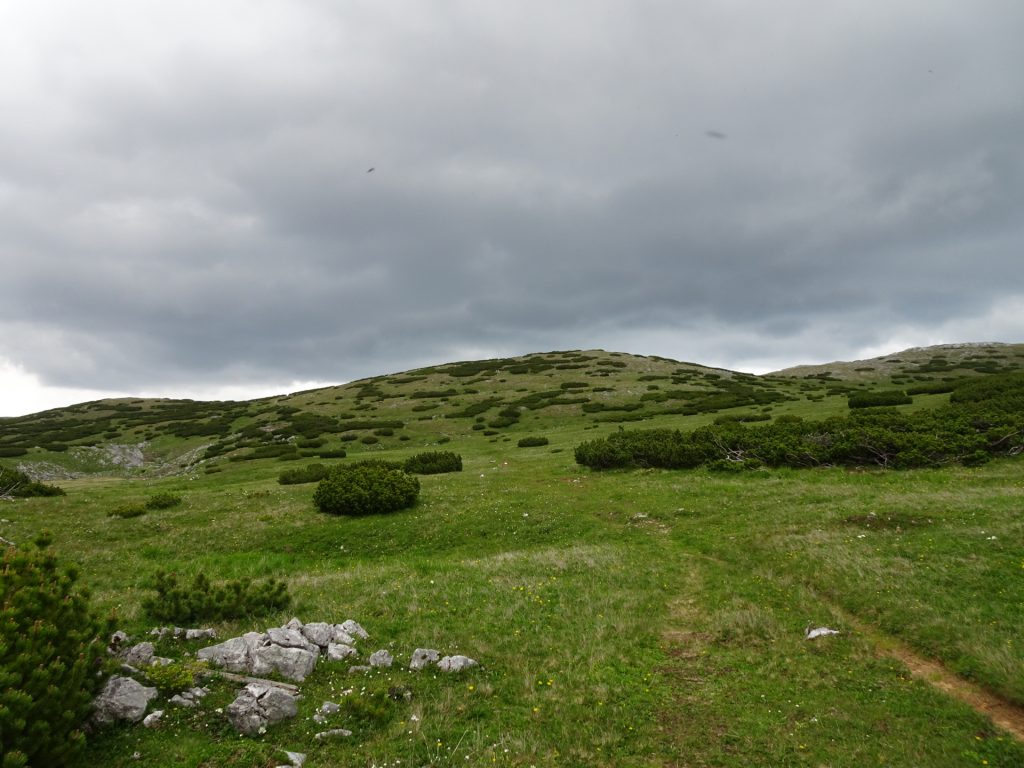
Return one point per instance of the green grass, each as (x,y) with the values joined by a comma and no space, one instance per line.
(627,618)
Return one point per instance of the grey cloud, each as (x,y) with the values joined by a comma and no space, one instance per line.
(196,205)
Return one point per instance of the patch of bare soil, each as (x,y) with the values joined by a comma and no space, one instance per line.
(1008,716)
(1005,714)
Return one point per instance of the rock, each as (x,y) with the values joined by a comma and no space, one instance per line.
(152,720)
(122,699)
(455,663)
(334,733)
(295,759)
(381,658)
(189,698)
(160,661)
(319,633)
(293,623)
(330,708)
(234,655)
(341,636)
(291,663)
(140,655)
(117,641)
(339,651)
(199,634)
(813,634)
(354,629)
(290,638)
(258,706)
(422,657)
(359,668)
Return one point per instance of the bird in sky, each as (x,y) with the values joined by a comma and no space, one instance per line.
(371,170)
(714,134)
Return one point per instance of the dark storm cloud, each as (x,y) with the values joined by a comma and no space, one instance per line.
(184,195)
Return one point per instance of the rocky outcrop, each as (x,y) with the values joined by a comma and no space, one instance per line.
(291,650)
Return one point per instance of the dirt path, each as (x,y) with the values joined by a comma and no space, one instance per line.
(1008,716)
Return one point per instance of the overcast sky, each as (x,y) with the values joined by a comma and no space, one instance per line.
(187,206)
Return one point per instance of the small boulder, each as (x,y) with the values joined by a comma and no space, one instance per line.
(140,655)
(152,720)
(319,633)
(258,706)
(334,733)
(381,658)
(354,629)
(291,663)
(814,634)
(341,636)
(199,634)
(122,698)
(340,651)
(290,638)
(423,657)
(455,663)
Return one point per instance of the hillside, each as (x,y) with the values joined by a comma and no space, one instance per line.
(489,400)
(920,364)
(641,616)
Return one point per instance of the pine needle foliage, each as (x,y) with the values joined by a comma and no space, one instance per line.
(50,649)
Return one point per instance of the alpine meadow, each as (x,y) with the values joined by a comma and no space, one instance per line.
(636,552)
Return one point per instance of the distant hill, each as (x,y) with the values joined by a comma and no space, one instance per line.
(496,400)
(942,359)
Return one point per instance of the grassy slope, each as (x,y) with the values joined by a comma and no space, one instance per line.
(625,618)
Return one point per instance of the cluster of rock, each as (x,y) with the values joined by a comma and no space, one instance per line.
(135,656)
(183,634)
(125,699)
(291,651)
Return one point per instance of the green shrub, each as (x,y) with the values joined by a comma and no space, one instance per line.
(365,489)
(172,678)
(19,485)
(203,601)
(50,650)
(163,500)
(532,442)
(433,463)
(369,440)
(386,432)
(333,454)
(127,510)
(313,473)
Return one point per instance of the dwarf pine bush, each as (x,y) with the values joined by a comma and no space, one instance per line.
(50,649)
(204,601)
(433,463)
(365,489)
